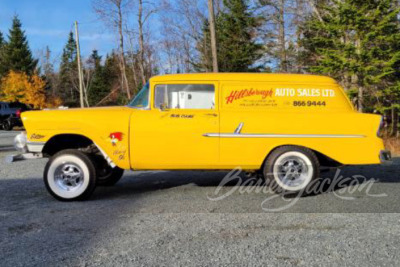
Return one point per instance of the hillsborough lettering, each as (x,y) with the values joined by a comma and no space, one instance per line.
(235,95)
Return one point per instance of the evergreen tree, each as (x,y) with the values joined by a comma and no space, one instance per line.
(48,68)
(237,48)
(49,75)
(1,40)
(357,42)
(204,48)
(17,54)
(112,73)
(105,80)
(68,74)
(3,69)
(95,59)
(99,86)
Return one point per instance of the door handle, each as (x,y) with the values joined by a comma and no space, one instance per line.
(211,114)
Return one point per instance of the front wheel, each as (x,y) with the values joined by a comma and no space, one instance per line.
(70,175)
(291,169)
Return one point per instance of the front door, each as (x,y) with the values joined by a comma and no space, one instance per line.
(170,134)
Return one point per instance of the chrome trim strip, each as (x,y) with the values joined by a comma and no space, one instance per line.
(234,135)
(36,143)
(239,128)
(106,157)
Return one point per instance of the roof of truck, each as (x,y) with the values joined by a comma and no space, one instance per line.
(264,77)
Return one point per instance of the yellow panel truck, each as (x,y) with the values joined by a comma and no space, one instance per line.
(284,126)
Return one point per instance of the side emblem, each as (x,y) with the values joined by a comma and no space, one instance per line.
(36,136)
(116,137)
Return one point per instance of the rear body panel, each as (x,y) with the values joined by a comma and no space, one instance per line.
(348,138)
(315,114)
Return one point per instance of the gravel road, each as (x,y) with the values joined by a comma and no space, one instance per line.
(169,218)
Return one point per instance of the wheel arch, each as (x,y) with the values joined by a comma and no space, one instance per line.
(65,141)
(73,141)
(323,159)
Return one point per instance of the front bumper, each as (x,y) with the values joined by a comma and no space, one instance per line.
(386,157)
(35,147)
(22,144)
(29,150)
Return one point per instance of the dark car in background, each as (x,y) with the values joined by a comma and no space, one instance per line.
(10,114)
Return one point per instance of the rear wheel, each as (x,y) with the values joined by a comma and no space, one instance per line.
(70,175)
(290,169)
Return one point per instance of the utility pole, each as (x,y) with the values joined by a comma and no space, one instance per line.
(78,54)
(282,36)
(211,19)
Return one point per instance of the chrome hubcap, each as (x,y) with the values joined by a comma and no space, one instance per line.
(68,176)
(293,171)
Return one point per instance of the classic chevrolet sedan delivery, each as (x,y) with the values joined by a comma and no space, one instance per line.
(283,126)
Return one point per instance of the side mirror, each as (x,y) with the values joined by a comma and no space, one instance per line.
(163,107)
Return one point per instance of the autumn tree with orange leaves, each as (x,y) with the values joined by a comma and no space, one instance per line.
(19,87)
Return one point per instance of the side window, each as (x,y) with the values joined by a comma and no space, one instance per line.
(185,96)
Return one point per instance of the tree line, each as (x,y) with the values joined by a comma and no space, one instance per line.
(354,41)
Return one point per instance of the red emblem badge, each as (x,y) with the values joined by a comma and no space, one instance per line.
(115,138)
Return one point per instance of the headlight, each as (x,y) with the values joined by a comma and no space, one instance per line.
(20,142)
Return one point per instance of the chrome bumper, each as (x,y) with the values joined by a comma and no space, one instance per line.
(29,150)
(386,157)
(35,147)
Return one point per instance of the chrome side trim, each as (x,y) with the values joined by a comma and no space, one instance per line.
(234,135)
(35,147)
(106,157)
(239,128)
(36,143)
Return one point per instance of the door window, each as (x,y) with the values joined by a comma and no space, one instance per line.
(185,96)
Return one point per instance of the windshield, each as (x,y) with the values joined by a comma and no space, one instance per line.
(141,100)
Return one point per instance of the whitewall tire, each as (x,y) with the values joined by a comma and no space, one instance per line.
(70,175)
(291,169)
